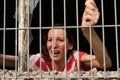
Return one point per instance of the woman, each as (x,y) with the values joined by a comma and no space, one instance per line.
(55,47)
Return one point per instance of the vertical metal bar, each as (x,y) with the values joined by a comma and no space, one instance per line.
(91,62)
(103,34)
(16,37)
(27,43)
(65,69)
(4,39)
(77,19)
(40,38)
(116,35)
(20,35)
(23,34)
(52,15)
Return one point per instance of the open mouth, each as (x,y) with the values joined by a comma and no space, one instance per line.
(55,53)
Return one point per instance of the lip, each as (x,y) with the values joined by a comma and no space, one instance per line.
(55,53)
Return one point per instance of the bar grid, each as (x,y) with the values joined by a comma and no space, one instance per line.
(23,71)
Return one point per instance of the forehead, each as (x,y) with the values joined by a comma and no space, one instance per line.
(56,32)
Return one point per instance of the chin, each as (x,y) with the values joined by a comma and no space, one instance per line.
(57,60)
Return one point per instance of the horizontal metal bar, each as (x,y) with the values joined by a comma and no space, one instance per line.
(47,27)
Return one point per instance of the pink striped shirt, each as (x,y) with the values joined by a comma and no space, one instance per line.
(72,62)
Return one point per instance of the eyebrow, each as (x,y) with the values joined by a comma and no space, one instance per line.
(57,37)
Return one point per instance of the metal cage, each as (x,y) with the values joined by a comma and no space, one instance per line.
(22,28)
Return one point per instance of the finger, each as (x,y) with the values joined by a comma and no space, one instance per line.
(89,6)
(93,19)
(91,12)
(91,2)
(86,20)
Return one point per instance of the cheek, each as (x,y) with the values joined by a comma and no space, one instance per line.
(48,45)
(62,46)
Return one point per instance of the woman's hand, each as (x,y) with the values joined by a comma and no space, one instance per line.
(91,13)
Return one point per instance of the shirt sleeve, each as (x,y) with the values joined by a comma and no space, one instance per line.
(35,60)
(32,61)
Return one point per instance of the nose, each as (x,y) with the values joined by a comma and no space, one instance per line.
(55,44)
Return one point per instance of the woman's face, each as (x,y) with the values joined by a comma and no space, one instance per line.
(57,49)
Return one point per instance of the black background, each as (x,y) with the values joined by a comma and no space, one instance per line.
(109,19)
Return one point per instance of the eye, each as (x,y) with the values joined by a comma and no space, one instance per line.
(50,39)
(60,40)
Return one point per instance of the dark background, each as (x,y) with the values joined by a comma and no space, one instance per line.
(109,19)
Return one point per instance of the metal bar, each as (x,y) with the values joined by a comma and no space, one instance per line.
(116,35)
(47,27)
(28,41)
(91,62)
(4,39)
(77,24)
(40,38)
(65,68)
(16,38)
(23,36)
(102,8)
(52,15)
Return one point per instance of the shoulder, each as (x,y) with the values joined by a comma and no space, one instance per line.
(38,55)
(37,58)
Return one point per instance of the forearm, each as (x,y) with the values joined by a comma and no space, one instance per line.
(7,60)
(97,47)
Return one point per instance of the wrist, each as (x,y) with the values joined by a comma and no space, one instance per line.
(86,31)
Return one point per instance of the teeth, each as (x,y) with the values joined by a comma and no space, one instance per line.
(55,52)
